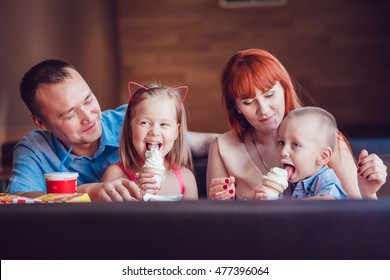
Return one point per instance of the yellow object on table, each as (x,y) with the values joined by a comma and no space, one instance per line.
(47,198)
(58,197)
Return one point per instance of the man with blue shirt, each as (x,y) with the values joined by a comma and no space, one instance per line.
(68,114)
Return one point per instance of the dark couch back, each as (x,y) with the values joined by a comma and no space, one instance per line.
(198,230)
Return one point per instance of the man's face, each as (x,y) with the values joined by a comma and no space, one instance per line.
(71,112)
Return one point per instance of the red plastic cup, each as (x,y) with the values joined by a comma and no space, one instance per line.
(61,182)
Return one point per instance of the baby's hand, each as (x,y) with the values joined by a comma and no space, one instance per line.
(146,183)
(260,193)
(222,188)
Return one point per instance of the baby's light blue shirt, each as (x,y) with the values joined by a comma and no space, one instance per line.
(324,182)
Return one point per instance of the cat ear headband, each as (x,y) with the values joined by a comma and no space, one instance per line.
(143,88)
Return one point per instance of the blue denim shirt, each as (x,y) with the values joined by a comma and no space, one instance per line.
(39,152)
(324,182)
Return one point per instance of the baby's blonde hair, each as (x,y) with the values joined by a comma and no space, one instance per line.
(326,122)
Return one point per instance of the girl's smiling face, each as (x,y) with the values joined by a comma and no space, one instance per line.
(154,125)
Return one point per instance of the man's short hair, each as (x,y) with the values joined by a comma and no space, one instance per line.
(52,71)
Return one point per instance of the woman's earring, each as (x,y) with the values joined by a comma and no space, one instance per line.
(238,111)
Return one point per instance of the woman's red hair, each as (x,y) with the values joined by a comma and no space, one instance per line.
(253,69)
(247,71)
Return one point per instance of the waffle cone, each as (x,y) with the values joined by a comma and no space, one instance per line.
(273,186)
(151,170)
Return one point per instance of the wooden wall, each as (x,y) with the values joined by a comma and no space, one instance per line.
(31,31)
(338,50)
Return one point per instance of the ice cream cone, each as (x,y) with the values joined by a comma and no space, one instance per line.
(275,181)
(154,164)
(152,170)
(273,186)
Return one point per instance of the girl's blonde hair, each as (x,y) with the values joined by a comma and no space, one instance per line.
(180,155)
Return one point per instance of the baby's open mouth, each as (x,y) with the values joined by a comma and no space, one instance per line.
(289,168)
(152,146)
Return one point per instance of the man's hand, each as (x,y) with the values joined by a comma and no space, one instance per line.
(116,190)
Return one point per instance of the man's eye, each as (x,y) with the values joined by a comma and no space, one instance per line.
(68,117)
(295,145)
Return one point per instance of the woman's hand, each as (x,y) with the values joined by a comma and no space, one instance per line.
(372,174)
(222,188)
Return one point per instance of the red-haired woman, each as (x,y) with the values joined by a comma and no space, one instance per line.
(258,93)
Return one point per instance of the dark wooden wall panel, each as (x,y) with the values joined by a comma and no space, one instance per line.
(337,50)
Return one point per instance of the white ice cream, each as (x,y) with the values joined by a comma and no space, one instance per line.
(278,175)
(154,160)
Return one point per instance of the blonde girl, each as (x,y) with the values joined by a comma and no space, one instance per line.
(156,119)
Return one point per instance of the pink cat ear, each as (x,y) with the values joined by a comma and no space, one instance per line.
(134,84)
(185,93)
